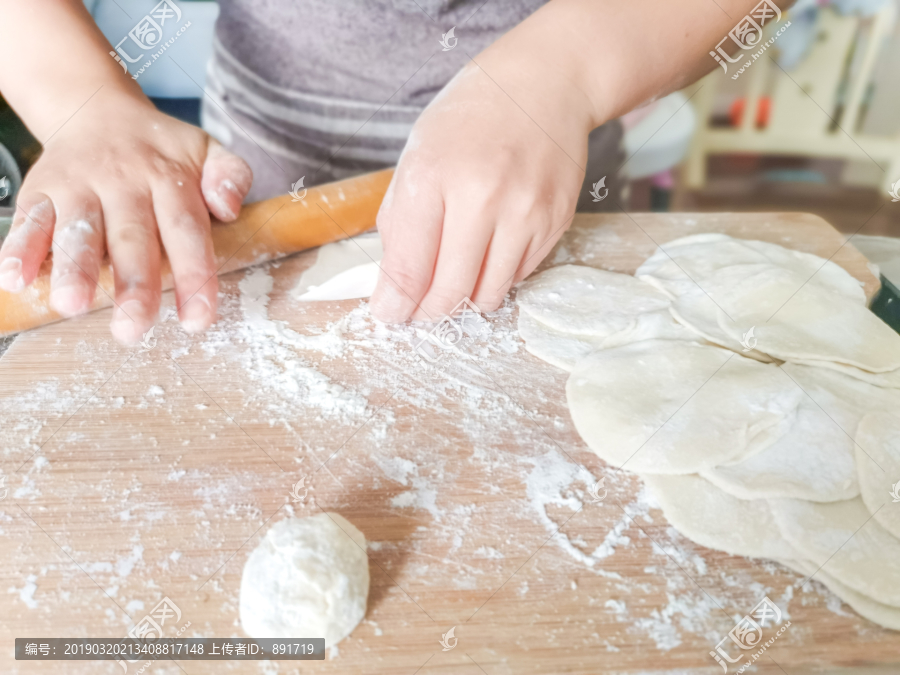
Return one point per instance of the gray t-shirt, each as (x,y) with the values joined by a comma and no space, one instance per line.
(327,89)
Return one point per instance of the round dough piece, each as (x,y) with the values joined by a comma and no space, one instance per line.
(584,300)
(888,380)
(844,399)
(814,325)
(677,267)
(843,539)
(562,350)
(817,270)
(814,460)
(672,407)
(682,265)
(697,312)
(713,518)
(866,607)
(309,577)
(878,464)
(335,259)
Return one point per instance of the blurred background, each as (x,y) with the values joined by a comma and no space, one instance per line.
(815,128)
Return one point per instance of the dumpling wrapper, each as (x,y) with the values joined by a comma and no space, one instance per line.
(564,350)
(673,407)
(846,541)
(351,260)
(682,265)
(713,518)
(887,380)
(813,460)
(866,607)
(356,282)
(812,325)
(698,312)
(581,300)
(722,288)
(878,464)
(843,398)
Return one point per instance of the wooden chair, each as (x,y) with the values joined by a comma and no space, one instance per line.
(816,109)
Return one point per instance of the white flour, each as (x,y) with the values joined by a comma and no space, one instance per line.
(441,426)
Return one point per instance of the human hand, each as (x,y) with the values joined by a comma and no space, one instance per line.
(486,185)
(121,177)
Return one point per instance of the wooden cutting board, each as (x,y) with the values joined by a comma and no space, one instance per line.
(135,475)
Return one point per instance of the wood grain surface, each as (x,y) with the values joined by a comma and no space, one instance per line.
(135,475)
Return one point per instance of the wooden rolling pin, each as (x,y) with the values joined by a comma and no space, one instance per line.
(263,231)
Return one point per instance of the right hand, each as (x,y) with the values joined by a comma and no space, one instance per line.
(120,177)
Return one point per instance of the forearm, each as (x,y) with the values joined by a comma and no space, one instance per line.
(611,56)
(56,59)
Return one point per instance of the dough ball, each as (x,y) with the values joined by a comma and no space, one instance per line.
(308,578)
(672,407)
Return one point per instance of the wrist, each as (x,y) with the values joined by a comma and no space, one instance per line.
(540,69)
(62,62)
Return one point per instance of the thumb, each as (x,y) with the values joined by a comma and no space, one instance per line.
(226,181)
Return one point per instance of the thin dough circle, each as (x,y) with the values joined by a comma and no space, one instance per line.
(844,539)
(674,407)
(814,460)
(713,518)
(866,607)
(878,464)
(584,300)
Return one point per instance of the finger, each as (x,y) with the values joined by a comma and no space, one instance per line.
(538,249)
(464,242)
(28,242)
(77,252)
(185,232)
(226,181)
(501,262)
(133,245)
(410,227)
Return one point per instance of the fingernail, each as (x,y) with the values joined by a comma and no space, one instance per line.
(227,187)
(130,311)
(67,293)
(391,305)
(35,214)
(39,211)
(223,197)
(129,320)
(11,278)
(195,315)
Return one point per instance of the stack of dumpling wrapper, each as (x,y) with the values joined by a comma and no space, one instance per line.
(755,393)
